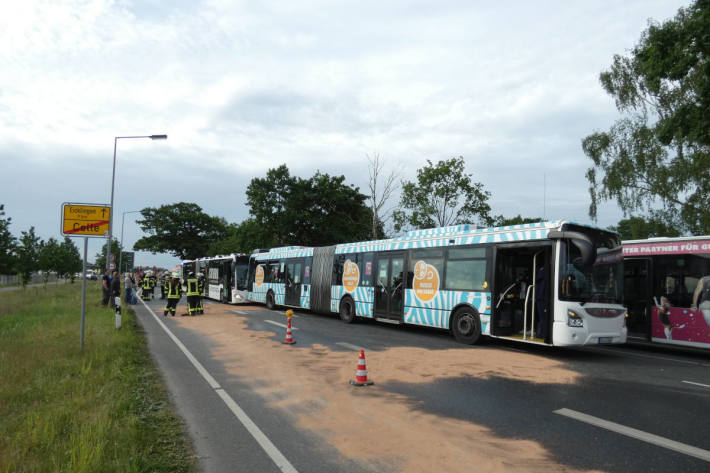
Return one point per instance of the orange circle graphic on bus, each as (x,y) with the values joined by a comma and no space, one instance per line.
(259,276)
(426,281)
(351,276)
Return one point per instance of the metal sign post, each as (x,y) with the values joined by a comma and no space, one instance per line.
(83,293)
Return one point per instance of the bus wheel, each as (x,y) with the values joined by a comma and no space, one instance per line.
(347,310)
(466,325)
(270,304)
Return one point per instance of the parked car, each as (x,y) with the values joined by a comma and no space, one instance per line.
(91,276)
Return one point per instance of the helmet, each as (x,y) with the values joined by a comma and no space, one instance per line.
(191,274)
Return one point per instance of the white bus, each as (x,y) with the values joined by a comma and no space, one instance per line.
(225,276)
(551,283)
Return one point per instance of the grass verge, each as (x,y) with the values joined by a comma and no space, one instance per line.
(103,409)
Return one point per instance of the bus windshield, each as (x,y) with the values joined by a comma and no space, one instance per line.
(601,281)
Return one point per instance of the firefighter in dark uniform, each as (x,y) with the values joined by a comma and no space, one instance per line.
(193,294)
(153,281)
(201,288)
(164,285)
(145,285)
(174,291)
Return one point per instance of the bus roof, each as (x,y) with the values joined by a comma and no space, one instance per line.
(460,235)
(434,237)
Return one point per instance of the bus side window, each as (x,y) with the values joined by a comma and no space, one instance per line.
(338,263)
(366,269)
(466,269)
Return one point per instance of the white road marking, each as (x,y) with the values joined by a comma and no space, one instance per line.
(238,312)
(350,346)
(620,353)
(637,434)
(276,456)
(697,384)
(280,324)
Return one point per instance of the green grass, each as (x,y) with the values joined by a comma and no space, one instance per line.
(103,409)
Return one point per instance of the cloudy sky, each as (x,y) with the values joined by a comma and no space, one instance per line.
(243,86)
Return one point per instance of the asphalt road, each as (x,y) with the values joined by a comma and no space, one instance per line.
(634,410)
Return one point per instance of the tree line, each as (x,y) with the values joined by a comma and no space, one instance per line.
(319,211)
(29,253)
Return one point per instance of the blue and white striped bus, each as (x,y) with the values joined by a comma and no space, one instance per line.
(552,283)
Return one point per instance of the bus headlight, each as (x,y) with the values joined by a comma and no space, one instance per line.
(574,320)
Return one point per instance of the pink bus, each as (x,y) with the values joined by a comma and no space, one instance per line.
(667,290)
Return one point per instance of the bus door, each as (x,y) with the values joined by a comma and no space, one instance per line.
(225,272)
(389,286)
(637,297)
(293,281)
(521,295)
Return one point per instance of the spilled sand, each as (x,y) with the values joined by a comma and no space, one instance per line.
(372,426)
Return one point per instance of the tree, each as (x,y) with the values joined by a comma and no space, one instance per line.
(242,238)
(442,195)
(7,244)
(318,211)
(69,261)
(380,194)
(181,229)
(48,258)
(115,251)
(656,158)
(501,221)
(27,255)
(638,228)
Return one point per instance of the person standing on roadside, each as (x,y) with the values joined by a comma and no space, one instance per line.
(115,288)
(128,285)
(105,288)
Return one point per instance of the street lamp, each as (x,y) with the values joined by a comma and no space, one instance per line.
(120,249)
(113,180)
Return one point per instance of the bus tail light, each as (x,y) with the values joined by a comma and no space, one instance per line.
(574,320)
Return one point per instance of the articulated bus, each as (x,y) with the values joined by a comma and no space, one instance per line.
(225,276)
(551,283)
(667,290)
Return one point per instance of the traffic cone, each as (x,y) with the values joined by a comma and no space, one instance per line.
(289,336)
(361,374)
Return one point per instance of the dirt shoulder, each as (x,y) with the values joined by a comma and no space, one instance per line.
(311,385)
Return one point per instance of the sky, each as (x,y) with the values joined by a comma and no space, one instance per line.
(241,87)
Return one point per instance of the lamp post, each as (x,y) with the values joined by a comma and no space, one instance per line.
(113,180)
(120,249)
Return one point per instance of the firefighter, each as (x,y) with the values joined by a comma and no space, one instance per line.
(164,285)
(145,286)
(201,288)
(174,291)
(193,294)
(153,281)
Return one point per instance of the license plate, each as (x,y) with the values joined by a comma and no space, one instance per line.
(605,339)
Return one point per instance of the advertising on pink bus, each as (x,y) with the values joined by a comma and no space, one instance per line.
(667,290)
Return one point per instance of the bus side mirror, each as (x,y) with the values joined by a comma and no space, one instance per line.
(587,250)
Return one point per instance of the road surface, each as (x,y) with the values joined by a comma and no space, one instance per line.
(252,403)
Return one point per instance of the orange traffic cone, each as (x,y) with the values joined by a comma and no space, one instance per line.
(289,336)
(361,374)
